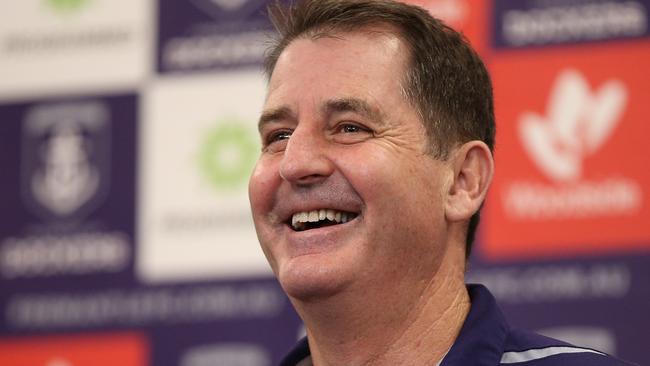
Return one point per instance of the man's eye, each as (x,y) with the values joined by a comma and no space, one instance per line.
(351,133)
(278,136)
(351,128)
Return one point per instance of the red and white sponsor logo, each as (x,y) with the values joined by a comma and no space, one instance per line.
(571,176)
(579,120)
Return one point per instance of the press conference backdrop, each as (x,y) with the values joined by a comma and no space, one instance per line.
(128,131)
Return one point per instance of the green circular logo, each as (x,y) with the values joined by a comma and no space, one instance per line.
(228,154)
(66,6)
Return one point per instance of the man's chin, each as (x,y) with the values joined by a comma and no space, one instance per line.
(305,284)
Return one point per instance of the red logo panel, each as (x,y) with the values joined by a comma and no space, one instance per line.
(466,16)
(124,349)
(573,169)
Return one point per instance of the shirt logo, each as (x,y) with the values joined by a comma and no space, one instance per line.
(578,122)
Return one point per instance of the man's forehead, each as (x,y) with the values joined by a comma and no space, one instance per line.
(341,71)
(344,52)
(377,39)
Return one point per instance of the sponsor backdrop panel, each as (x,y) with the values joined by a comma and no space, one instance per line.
(466,16)
(565,237)
(537,23)
(210,34)
(50,46)
(128,130)
(570,146)
(68,191)
(199,145)
(126,349)
(598,301)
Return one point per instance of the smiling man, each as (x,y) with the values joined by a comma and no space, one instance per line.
(377,136)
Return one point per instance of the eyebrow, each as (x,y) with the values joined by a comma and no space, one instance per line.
(275,114)
(338,105)
(354,105)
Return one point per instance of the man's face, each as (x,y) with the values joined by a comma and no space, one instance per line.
(344,195)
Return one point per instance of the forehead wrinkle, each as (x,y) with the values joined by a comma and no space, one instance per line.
(354,105)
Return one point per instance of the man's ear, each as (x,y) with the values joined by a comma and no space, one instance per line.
(473,168)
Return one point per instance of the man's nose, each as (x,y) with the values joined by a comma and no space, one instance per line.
(305,160)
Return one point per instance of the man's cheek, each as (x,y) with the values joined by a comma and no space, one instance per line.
(260,188)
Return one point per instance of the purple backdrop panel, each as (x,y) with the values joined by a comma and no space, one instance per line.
(534,23)
(260,341)
(67,192)
(235,322)
(599,302)
(207,35)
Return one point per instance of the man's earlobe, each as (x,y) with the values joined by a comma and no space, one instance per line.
(473,168)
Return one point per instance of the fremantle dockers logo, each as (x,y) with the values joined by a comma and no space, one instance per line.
(65,158)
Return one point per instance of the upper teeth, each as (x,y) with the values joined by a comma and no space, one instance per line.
(317,215)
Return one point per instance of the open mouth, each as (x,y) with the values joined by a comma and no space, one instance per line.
(301,221)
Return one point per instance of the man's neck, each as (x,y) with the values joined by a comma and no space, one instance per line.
(384,327)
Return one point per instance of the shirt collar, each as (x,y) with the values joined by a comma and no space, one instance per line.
(479,343)
(298,354)
(483,335)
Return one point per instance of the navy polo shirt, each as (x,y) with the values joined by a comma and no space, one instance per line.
(486,340)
